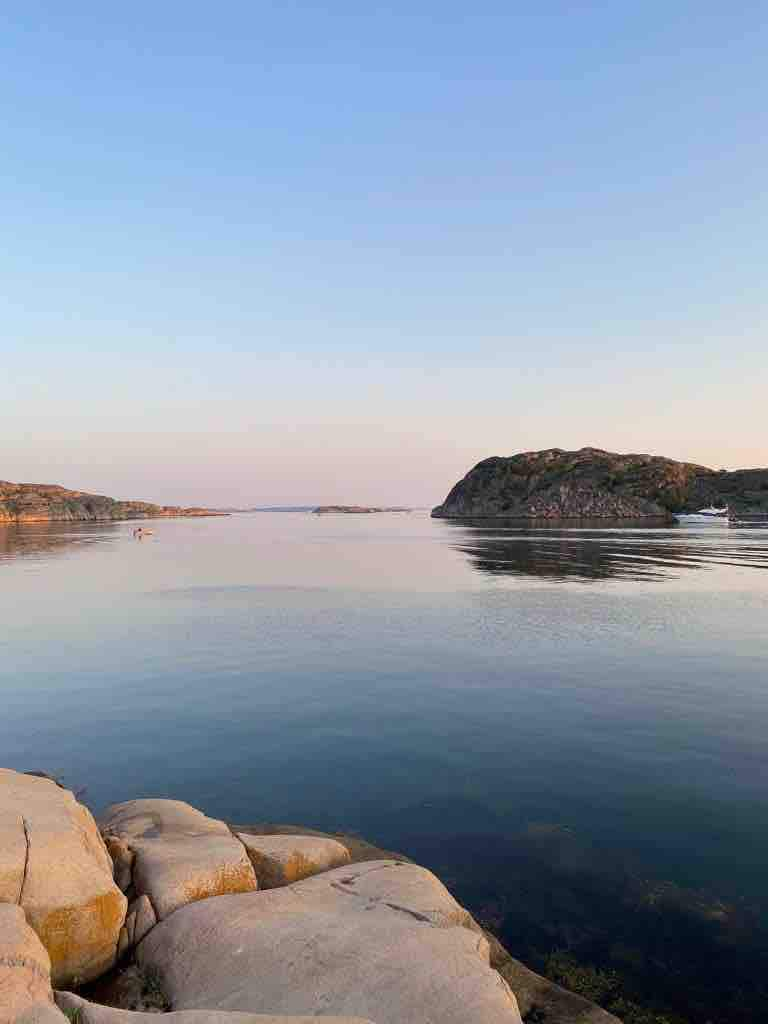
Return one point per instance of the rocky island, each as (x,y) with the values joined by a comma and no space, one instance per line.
(159,908)
(356,509)
(592,483)
(43,503)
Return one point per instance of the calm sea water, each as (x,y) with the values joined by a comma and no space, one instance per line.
(599,694)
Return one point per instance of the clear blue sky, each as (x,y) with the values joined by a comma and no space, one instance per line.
(285,252)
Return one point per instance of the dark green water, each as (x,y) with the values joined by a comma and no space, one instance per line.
(570,724)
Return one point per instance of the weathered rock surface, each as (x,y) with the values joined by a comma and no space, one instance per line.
(93,1013)
(122,859)
(592,483)
(282,860)
(142,919)
(180,855)
(25,973)
(54,864)
(40,503)
(383,940)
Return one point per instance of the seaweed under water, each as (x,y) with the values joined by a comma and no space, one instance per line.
(647,949)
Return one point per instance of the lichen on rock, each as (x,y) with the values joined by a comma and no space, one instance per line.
(54,864)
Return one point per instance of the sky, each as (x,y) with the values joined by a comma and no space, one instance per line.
(283,253)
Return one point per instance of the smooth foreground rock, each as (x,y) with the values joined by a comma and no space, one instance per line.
(383,940)
(179,855)
(53,863)
(282,860)
(538,998)
(25,973)
(93,1013)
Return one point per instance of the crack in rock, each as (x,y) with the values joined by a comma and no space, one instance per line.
(374,901)
(343,886)
(26,859)
(411,913)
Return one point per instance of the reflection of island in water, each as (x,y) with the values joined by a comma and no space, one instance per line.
(44,539)
(601,550)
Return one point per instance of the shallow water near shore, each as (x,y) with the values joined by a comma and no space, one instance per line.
(577,711)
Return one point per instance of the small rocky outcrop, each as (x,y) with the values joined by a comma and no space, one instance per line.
(42,503)
(596,484)
(357,509)
(54,865)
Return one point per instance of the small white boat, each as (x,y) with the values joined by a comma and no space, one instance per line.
(703,514)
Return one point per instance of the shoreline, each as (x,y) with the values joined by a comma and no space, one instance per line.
(186,514)
(198,914)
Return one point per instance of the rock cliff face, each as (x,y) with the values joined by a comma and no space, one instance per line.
(41,503)
(592,483)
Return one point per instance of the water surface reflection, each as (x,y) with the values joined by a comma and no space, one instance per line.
(41,540)
(579,751)
(601,551)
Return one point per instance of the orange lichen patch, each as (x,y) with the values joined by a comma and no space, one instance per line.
(225,880)
(81,940)
(298,866)
(272,873)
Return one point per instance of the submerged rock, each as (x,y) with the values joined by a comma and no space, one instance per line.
(542,1000)
(54,864)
